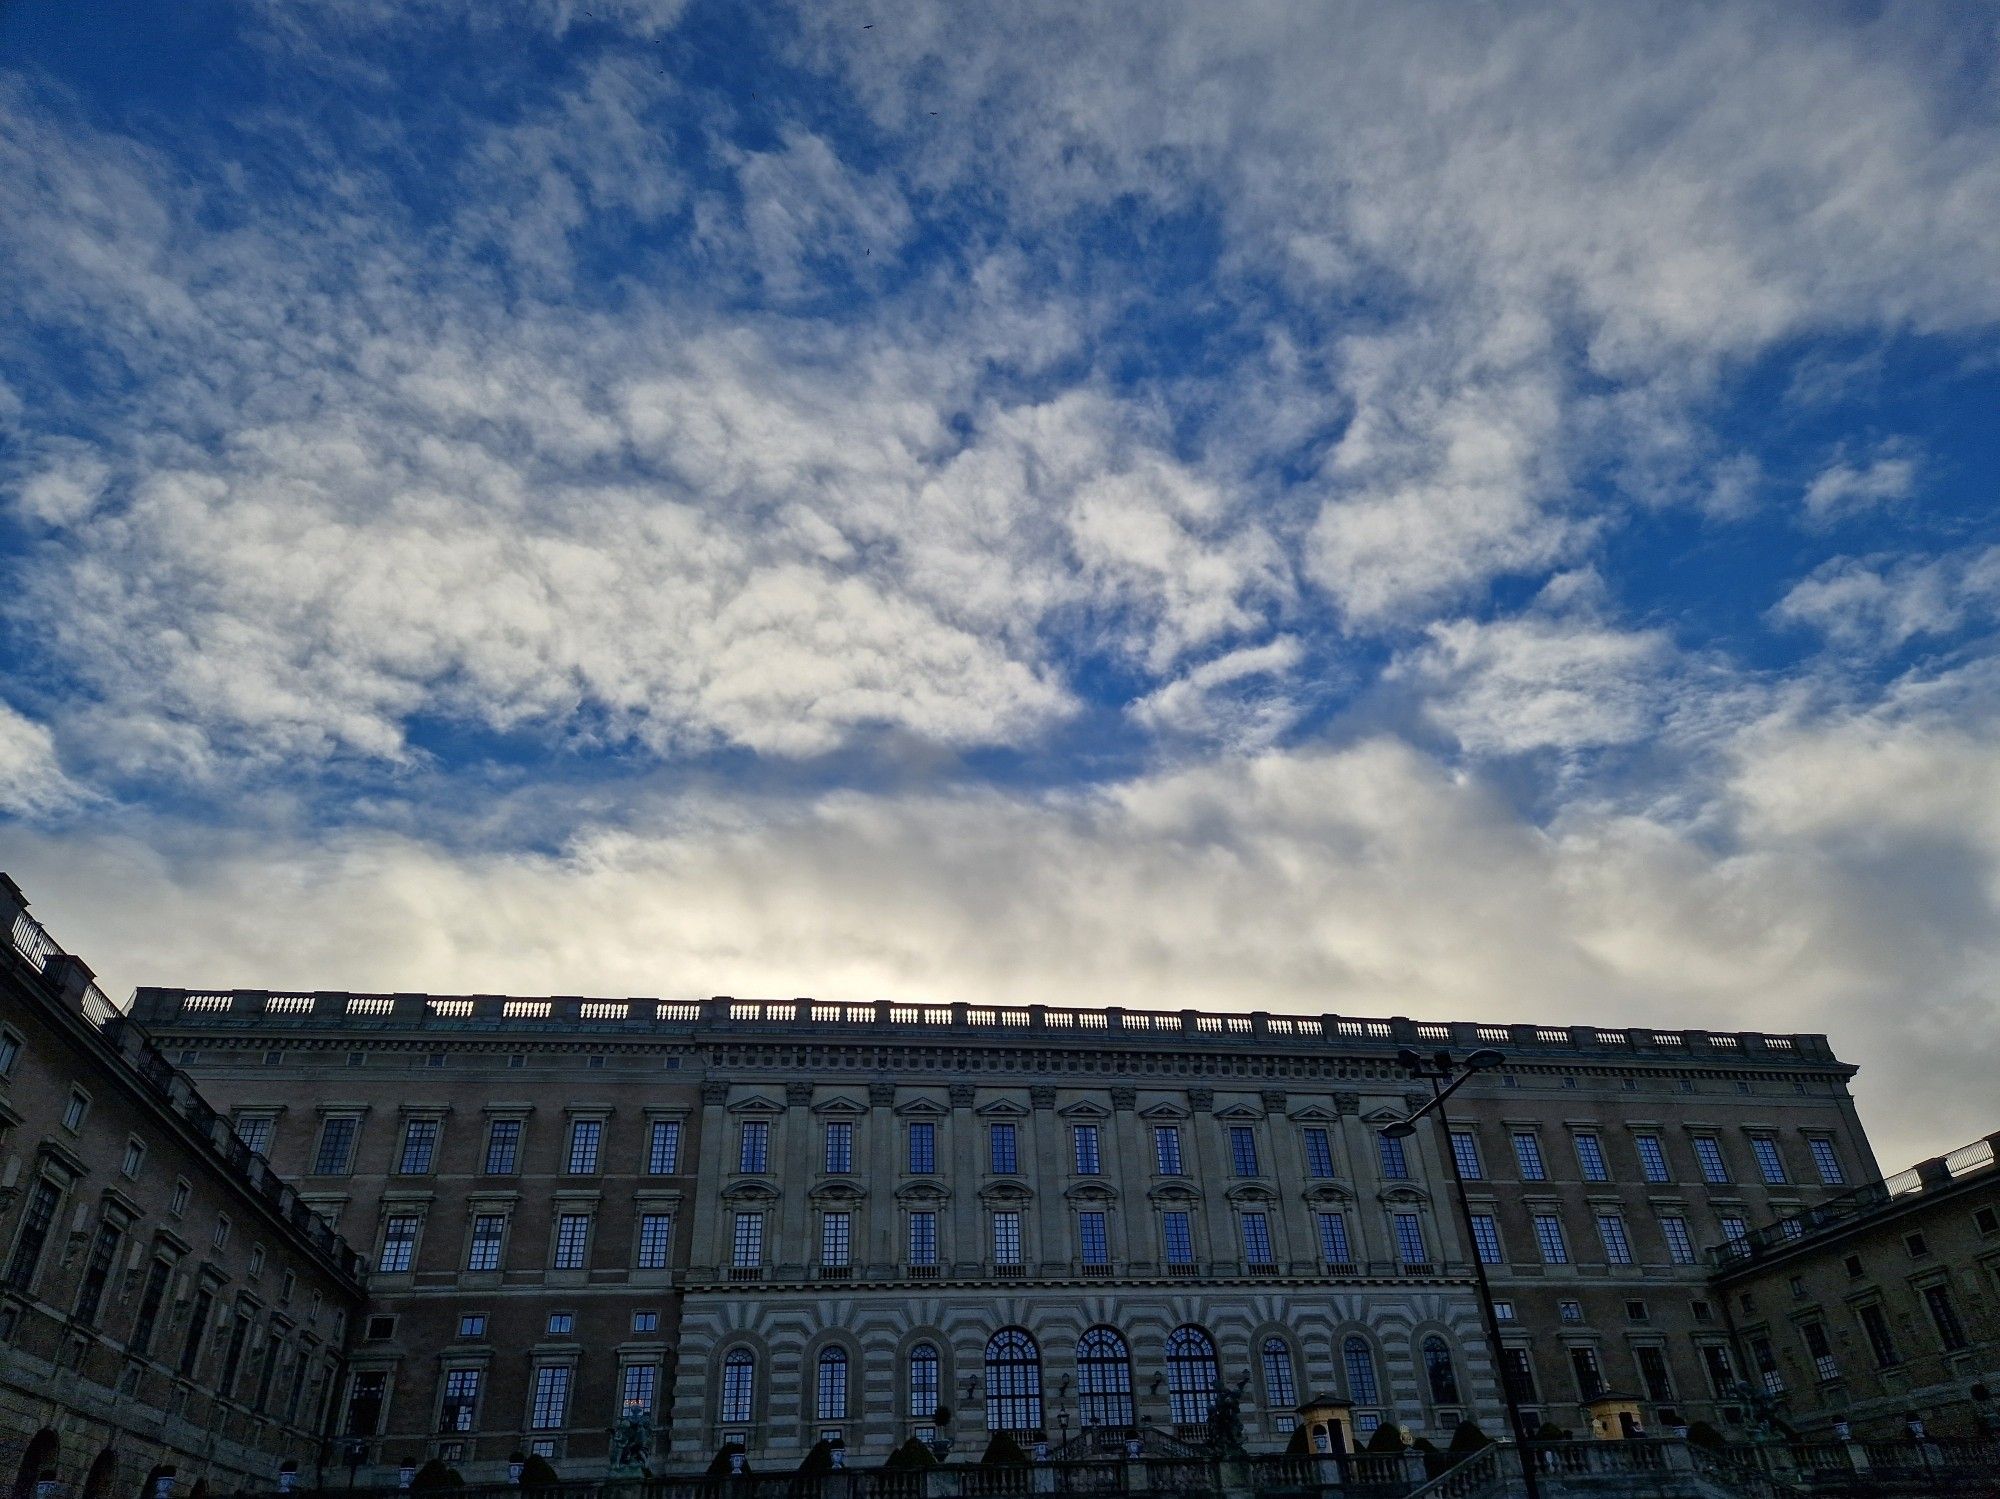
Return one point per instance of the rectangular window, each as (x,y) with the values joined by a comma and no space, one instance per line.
(645,1322)
(488,1230)
(1177,1237)
(838,1155)
(420,1138)
(1002,1149)
(365,1398)
(97,1272)
(1465,1151)
(1827,1161)
(636,1388)
(1825,1365)
(1528,1155)
(461,1400)
(1735,1229)
(923,1148)
(1721,1374)
(1006,1238)
(1880,1343)
(1410,1239)
(1319,1153)
(1770,1165)
(585,1136)
(1092,1237)
(34,1234)
(1617,1247)
(1765,1361)
(1653,1373)
(204,1307)
(753,1146)
(1243,1149)
(1680,1243)
(1395,1164)
(1486,1236)
(335,1156)
(10,1052)
(923,1238)
(472,1325)
(1167,1149)
(1517,1367)
(255,1131)
(148,1316)
(74,1110)
(835,1239)
(572,1240)
(1944,1316)
(1333,1245)
(1708,1155)
(1589,1375)
(551,1408)
(399,1244)
(1549,1238)
(1257,1239)
(663,1148)
(1084,1148)
(1590,1156)
(747,1241)
(656,1240)
(1652,1158)
(503,1147)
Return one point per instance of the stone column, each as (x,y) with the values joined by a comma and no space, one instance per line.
(881,1146)
(1129,1156)
(1296,1242)
(1051,1169)
(1215,1232)
(960,1231)
(708,1185)
(798,1165)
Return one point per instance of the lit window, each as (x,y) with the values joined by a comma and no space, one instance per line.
(1167,1149)
(656,1237)
(739,1374)
(645,1322)
(837,1154)
(1770,1165)
(1528,1154)
(1014,1382)
(835,1230)
(832,1392)
(585,1135)
(420,1138)
(1092,1238)
(488,1230)
(1006,1238)
(753,1146)
(1827,1161)
(1590,1156)
(399,1243)
(1486,1236)
(1319,1153)
(1653,1158)
(1104,1378)
(1708,1154)
(551,1407)
(663,1151)
(923,1238)
(1281,1390)
(1465,1151)
(1735,1229)
(1243,1149)
(1083,1138)
(572,1240)
(1680,1243)
(1549,1238)
(1617,1247)
(561,1324)
(1257,1239)
(1410,1239)
(635,1393)
(1333,1247)
(503,1147)
(1395,1164)
(1192,1375)
(1503,1311)
(255,1131)
(1002,1149)
(1359,1360)
(925,1382)
(472,1325)
(1177,1237)
(923,1148)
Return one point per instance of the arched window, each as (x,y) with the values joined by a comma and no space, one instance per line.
(1104,1378)
(739,1374)
(1281,1391)
(833,1384)
(1191,1375)
(925,1381)
(1013,1382)
(1437,1367)
(1360,1360)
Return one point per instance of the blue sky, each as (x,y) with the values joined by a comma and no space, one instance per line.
(1381,510)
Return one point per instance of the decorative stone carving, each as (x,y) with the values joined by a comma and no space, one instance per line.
(962,1095)
(1201,1100)
(1125,1098)
(1347,1103)
(798,1093)
(1412,1099)
(1273,1100)
(882,1095)
(1042,1098)
(715,1092)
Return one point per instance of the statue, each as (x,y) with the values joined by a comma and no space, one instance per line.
(1225,1421)
(631,1441)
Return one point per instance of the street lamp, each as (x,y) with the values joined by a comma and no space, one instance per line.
(1446,1077)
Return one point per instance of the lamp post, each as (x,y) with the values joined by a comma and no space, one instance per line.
(1446,1077)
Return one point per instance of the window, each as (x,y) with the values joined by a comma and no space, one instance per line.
(1721,1373)
(923,1238)
(365,1398)
(1465,1151)
(461,1400)
(1243,1150)
(561,1324)
(1635,1311)
(1880,1343)
(1518,1369)
(1820,1351)
(1708,1155)
(97,1272)
(1589,1374)
(1167,1149)
(1680,1243)
(1486,1238)
(1503,1311)
(1257,1239)
(1083,1148)
(488,1229)
(1410,1239)
(837,1156)
(335,1156)
(1092,1237)
(1003,1156)
(753,1146)
(1332,1230)
(1359,1361)
(1735,1228)
(75,1109)
(926,1382)
(572,1240)
(585,1138)
(1826,1161)
(1617,1247)
(1653,1373)
(1765,1361)
(1549,1238)
(472,1325)
(923,1147)
(663,1148)
(1987,1221)
(1918,1247)
(148,1315)
(204,1307)
(1192,1375)
(1528,1154)
(645,1322)
(10,1052)
(551,1407)
(1006,1238)
(1653,1159)
(1443,1379)
(636,1387)
(1013,1382)
(1395,1165)
(34,1233)
(1770,1165)
(832,1387)
(739,1375)
(656,1238)
(1319,1153)
(1177,1237)
(1569,1311)
(1281,1388)
(1944,1316)
(420,1137)
(399,1244)
(219,1236)
(1104,1379)
(503,1147)
(1590,1156)
(747,1241)
(255,1131)
(835,1239)
(135,1157)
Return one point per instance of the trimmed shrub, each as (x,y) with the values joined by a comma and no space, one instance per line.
(913,1454)
(537,1471)
(1003,1451)
(433,1476)
(720,1467)
(1467,1438)
(1388,1437)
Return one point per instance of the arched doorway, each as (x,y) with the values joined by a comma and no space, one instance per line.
(103,1473)
(39,1457)
(159,1483)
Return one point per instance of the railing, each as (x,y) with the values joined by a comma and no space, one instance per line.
(1468,1477)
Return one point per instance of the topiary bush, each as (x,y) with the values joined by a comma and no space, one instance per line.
(1467,1438)
(1701,1434)
(434,1476)
(720,1468)
(538,1472)
(912,1455)
(1388,1437)
(1003,1451)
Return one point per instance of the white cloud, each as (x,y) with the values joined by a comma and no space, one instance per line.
(1882,604)
(32,783)
(1843,488)
(1230,699)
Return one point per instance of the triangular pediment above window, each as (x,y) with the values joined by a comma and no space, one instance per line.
(1381,1116)
(1001,1108)
(921,1108)
(757,1103)
(1313,1113)
(841,1108)
(1239,1113)
(1164,1113)
(1084,1111)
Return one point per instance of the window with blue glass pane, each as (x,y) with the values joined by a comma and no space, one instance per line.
(1465,1151)
(1243,1149)
(1002,1147)
(923,1147)
(1177,1232)
(1395,1165)
(1333,1238)
(1590,1156)
(1410,1239)
(1319,1154)
(1092,1238)
(1528,1154)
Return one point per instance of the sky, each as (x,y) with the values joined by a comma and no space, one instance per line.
(1459,512)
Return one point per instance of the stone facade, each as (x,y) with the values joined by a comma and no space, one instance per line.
(166,1302)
